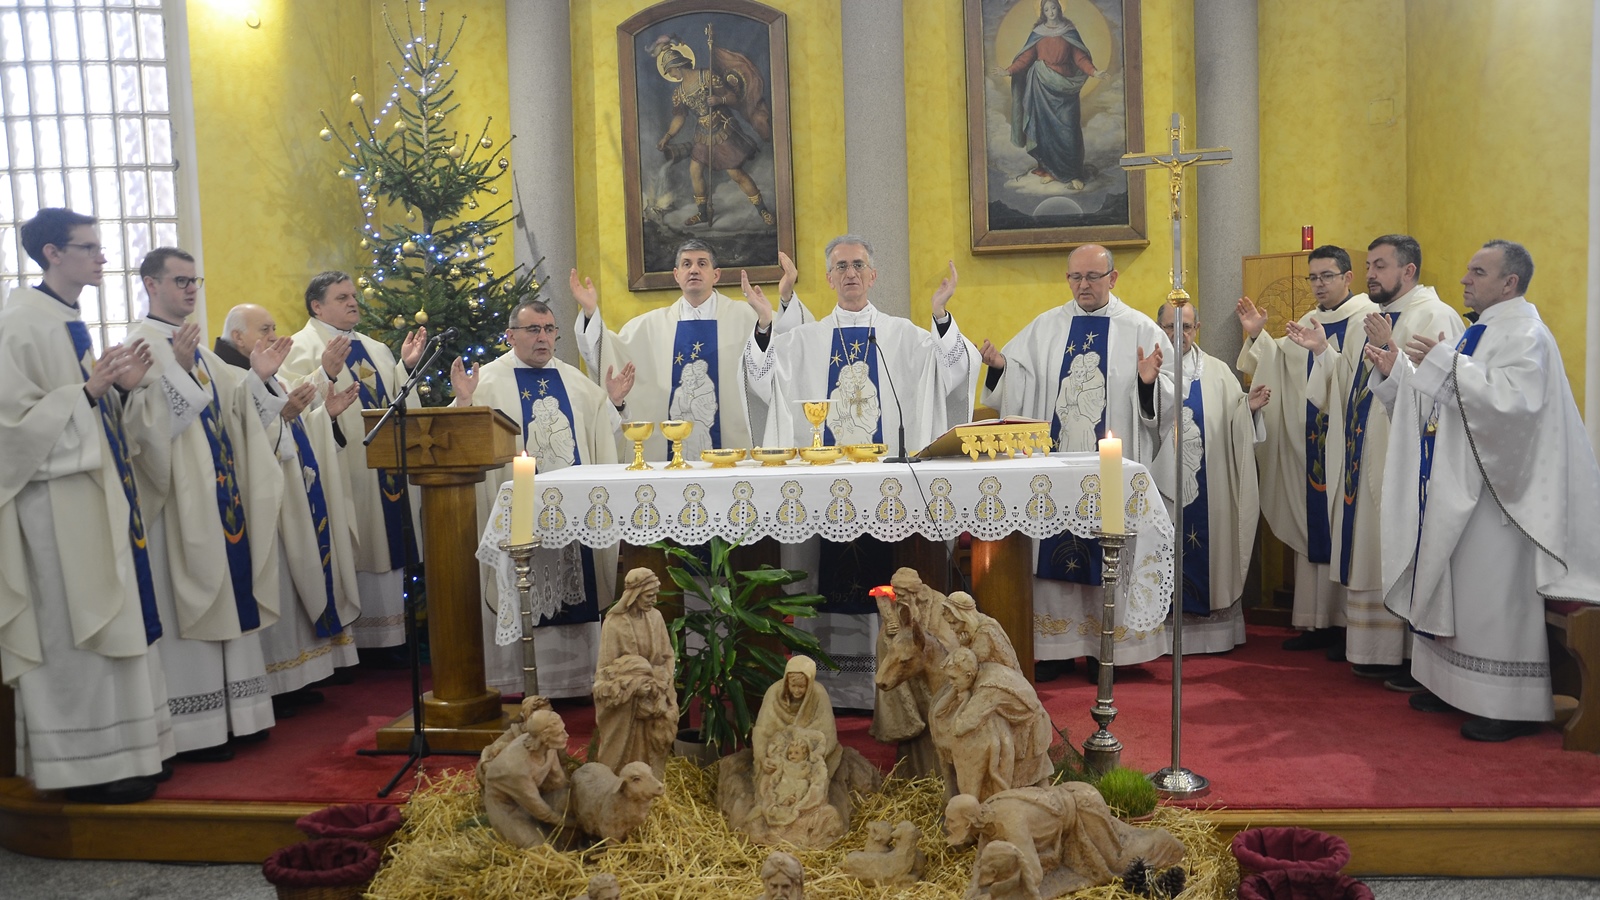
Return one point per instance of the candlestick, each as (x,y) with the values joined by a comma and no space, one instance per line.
(1102,752)
(522,471)
(1111,512)
(522,561)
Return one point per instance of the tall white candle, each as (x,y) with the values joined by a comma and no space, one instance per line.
(522,469)
(1111,513)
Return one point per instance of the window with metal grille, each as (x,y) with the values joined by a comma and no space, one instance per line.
(86,98)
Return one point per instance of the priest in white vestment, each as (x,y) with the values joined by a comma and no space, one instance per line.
(871,367)
(1376,641)
(329,350)
(211,491)
(1293,460)
(315,551)
(1491,502)
(566,420)
(78,621)
(686,356)
(1088,367)
(1216,479)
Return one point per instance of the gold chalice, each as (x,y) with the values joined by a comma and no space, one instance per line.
(677,431)
(772,456)
(816,414)
(821,456)
(637,432)
(865,452)
(724,458)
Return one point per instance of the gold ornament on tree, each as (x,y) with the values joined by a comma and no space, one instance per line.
(325,134)
(369,293)
(398,321)
(503,163)
(409,246)
(454,152)
(421,317)
(486,143)
(356,99)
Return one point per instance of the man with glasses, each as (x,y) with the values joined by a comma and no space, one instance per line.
(1089,367)
(211,491)
(567,420)
(686,355)
(78,623)
(872,368)
(1294,458)
(328,350)
(1376,640)
(1214,477)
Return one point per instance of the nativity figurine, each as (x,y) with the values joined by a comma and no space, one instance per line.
(635,701)
(602,887)
(782,877)
(891,856)
(990,727)
(524,786)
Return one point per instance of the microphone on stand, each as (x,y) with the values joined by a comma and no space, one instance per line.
(904,457)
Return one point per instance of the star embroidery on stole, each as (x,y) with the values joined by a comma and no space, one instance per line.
(855,350)
(1072,565)
(837,360)
(1072,348)
(1088,339)
(544,386)
(696,349)
(527,395)
(678,359)
(1194,536)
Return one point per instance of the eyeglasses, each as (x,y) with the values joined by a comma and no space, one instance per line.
(535,329)
(93,249)
(183,281)
(1087,277)
(1188,327)
(1323,277)
(847,265)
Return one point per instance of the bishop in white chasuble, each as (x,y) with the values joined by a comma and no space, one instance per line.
(1376,639)
(686,356)
(1078,367)
(319,594)
(566,420)
(1293,460)
(212,490)
(1491,502)
(1215,480)
(78,619)
(329,350)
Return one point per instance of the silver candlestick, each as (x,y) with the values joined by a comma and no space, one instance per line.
(522,561)
(1102,752)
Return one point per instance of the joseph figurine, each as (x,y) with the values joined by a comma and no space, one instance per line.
(635,704)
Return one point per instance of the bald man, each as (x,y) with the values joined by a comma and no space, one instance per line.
(319,593)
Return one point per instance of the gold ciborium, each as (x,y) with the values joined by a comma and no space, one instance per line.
(865,452)
(677,431)
(816,414)
(772,456)
(637,432)
(724,458)
(821,456)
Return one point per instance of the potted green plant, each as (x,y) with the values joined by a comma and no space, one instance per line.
(1129,793)
(734,661)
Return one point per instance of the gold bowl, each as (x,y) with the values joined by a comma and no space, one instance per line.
(865,452)
(724,458)
(772,456)
(821,456)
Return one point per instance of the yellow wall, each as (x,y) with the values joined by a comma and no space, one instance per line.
(1499,147)
(1332,122)
(1000,293)
(816,120)
(273,210)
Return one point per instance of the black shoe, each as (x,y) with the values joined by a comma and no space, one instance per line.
(283,707)
(1051,669)
(219,753)
(1478,728)
(123,790)
(1429,702)
(339,676)
(254,737)
(1336,645)
(165,774)
(1315,639)
(1376,672)
(384,657)
(1404,683)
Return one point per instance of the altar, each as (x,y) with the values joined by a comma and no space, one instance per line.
(1003,504)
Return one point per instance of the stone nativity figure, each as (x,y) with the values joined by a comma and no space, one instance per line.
(1066,837)
(524,785)
(891,855)
(602,887)
(990,727)
(782,877)
(635,702)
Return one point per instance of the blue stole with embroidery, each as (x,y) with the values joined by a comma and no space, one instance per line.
(853,345)
(396,516)
(111,421)
(327,624)
(695,340)
(1196,517)
(1355,438)
(534,385)
(230,506)
(1067,557)
(1319,546)
(1465,346)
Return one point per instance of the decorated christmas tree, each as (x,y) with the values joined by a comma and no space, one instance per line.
(421,184)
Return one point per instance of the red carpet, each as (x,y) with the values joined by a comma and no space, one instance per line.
(1270,729)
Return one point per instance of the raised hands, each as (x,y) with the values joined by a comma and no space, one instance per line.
(119,365)
(790,276)
(334,356)
(463,381)
(992,357)
(1314,338)
(298,400)
(1380,331)
(757,299)
(411,350)
(1260,395)
(583,291)
(1419,345)
(618,385)
(1382,358)
(1251,317)
(268,356)
(184,343)
(139,362)
(1149,366)
(946,290)
(338,401)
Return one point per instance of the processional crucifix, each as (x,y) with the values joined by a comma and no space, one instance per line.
(1176,781)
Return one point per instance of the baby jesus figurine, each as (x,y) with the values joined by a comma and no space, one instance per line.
(793,788)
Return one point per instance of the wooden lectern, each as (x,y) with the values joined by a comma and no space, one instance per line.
(448,451)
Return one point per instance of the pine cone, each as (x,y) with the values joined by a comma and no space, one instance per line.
(1170,883)
(1137,879)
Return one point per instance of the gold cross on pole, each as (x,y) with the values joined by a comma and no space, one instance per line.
(1175,161)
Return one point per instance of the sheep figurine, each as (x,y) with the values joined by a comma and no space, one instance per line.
(606,805)
(890,856)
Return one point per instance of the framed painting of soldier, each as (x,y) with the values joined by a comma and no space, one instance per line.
(1055,97)
(705,136)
